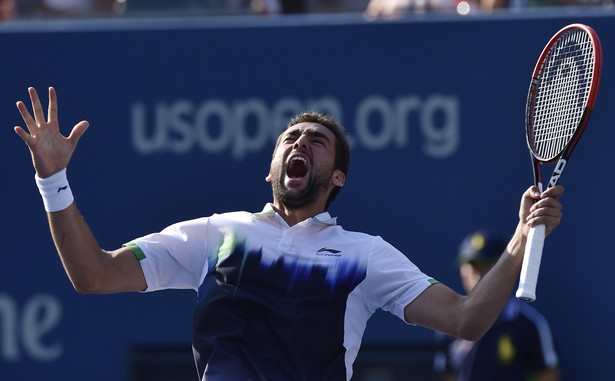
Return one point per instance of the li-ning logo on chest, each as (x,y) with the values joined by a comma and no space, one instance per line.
(328,252)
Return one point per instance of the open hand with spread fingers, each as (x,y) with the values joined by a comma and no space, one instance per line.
(50,150)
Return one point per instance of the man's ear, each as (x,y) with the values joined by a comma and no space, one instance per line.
(338,179)
(268,178)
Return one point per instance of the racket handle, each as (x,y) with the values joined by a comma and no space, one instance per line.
(531,264)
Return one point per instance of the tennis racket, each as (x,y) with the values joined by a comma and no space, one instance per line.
(560,100)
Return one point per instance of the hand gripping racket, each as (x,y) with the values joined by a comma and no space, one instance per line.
(559,102)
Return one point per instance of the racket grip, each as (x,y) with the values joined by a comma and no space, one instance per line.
(531,264)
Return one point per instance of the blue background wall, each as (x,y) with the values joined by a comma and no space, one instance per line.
(183,117)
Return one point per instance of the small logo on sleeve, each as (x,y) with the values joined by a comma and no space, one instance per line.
(60,189)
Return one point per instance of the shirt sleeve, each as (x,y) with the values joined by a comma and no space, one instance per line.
(393,281)
(176,257)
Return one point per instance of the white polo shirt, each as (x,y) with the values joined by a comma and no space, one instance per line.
(277,302)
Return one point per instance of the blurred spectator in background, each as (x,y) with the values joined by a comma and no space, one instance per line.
(518,347)
(77,7)
(372,9)
(277,6)
(14,9)
(394,9)
(7,10)
(308,6)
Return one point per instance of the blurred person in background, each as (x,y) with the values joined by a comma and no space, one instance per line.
(394,9)
(519,346)
(307,6)
(7,10)
(77,7)
(25,9)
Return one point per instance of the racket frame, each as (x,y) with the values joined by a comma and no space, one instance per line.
(531,262)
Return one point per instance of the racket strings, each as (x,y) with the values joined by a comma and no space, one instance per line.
(562,93)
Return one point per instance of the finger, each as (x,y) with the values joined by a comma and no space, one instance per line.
(78,131)
(25,114)
(549,221)
(549,217)
(529,198)
(52,111)
(37,108)
(548,211)
(534,192)
(546,203)
(554,192)
(549,198)
(23,134)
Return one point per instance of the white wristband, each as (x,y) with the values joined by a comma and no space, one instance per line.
(55,191)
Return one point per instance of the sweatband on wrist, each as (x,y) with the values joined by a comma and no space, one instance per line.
(55,191)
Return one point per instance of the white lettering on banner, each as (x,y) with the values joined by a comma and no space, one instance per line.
(40,315)
(247,126)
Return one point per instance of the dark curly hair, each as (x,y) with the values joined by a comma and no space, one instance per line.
(342,149)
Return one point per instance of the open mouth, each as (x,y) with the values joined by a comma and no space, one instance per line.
(297,167)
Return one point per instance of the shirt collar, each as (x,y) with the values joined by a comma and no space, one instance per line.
(323,217)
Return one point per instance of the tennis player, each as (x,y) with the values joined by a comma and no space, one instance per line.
(285,293)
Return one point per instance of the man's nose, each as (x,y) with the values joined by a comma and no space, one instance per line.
(302,141)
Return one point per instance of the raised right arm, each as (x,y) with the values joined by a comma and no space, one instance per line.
(90,268)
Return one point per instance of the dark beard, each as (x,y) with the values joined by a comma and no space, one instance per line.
(317,183)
